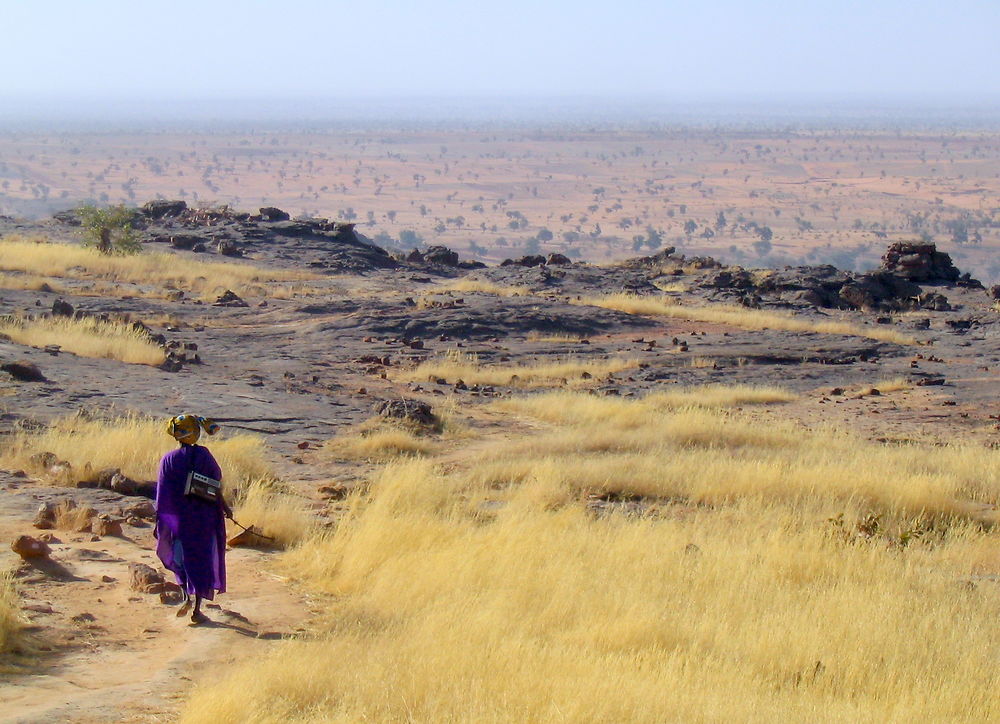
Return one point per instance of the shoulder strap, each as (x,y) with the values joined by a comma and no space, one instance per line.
(192,454)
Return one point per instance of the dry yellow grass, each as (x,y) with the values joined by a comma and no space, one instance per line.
(30,282)
(739,317)
(671,287)
(87,337)
(896,384)
(10,613)
(702,363)
(457,365)
(273,511)
(55,260)
(556,338)
(464,595)
(485,287)
(379,444)
(131,443)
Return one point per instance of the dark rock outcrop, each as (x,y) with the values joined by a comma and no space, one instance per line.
(23,371)
(271,213)
(919,262)
(160,209)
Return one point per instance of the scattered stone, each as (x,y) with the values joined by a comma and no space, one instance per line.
(29,548)
(45,517)
(335,491)
(43,460)
(229,298)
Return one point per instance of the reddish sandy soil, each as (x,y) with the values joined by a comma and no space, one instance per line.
(822,193)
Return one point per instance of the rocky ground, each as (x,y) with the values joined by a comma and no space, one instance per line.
(301,370)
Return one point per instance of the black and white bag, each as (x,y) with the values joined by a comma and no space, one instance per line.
(201,486)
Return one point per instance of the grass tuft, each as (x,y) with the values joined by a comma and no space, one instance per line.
(739,317)
(85,336)
(11,622)
(457,365)
(273,511)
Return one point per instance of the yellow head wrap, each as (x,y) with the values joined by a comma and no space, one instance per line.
(187,428)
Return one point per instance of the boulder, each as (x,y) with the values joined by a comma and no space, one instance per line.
(229,298)
(186,241)
(61,308)
(123,485)
(228,248)
(45,517)
(105,476)
(23,371)
(441,255)
(144,510)
(104,525)
(29,548)
(145,579)
(407,410)
(557,260)
(271,213)
(161,208)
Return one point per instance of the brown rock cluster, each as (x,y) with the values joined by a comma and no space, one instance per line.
(919,262)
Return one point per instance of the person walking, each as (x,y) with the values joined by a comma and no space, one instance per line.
(190,527)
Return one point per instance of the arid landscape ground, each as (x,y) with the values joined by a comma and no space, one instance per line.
(617,479)
(754,196)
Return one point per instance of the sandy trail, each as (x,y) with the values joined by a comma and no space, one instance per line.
(118,655)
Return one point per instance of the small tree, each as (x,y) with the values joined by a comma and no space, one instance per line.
(109,229)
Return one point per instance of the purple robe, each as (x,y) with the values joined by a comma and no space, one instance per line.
(191,532)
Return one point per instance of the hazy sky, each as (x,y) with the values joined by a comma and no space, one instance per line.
(434,47)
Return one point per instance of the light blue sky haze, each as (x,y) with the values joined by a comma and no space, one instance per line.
(444,47)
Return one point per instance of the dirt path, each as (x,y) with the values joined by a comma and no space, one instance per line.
(117,655)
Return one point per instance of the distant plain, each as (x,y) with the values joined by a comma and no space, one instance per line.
(595,194)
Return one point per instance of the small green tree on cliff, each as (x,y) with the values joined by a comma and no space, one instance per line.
(109,229)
